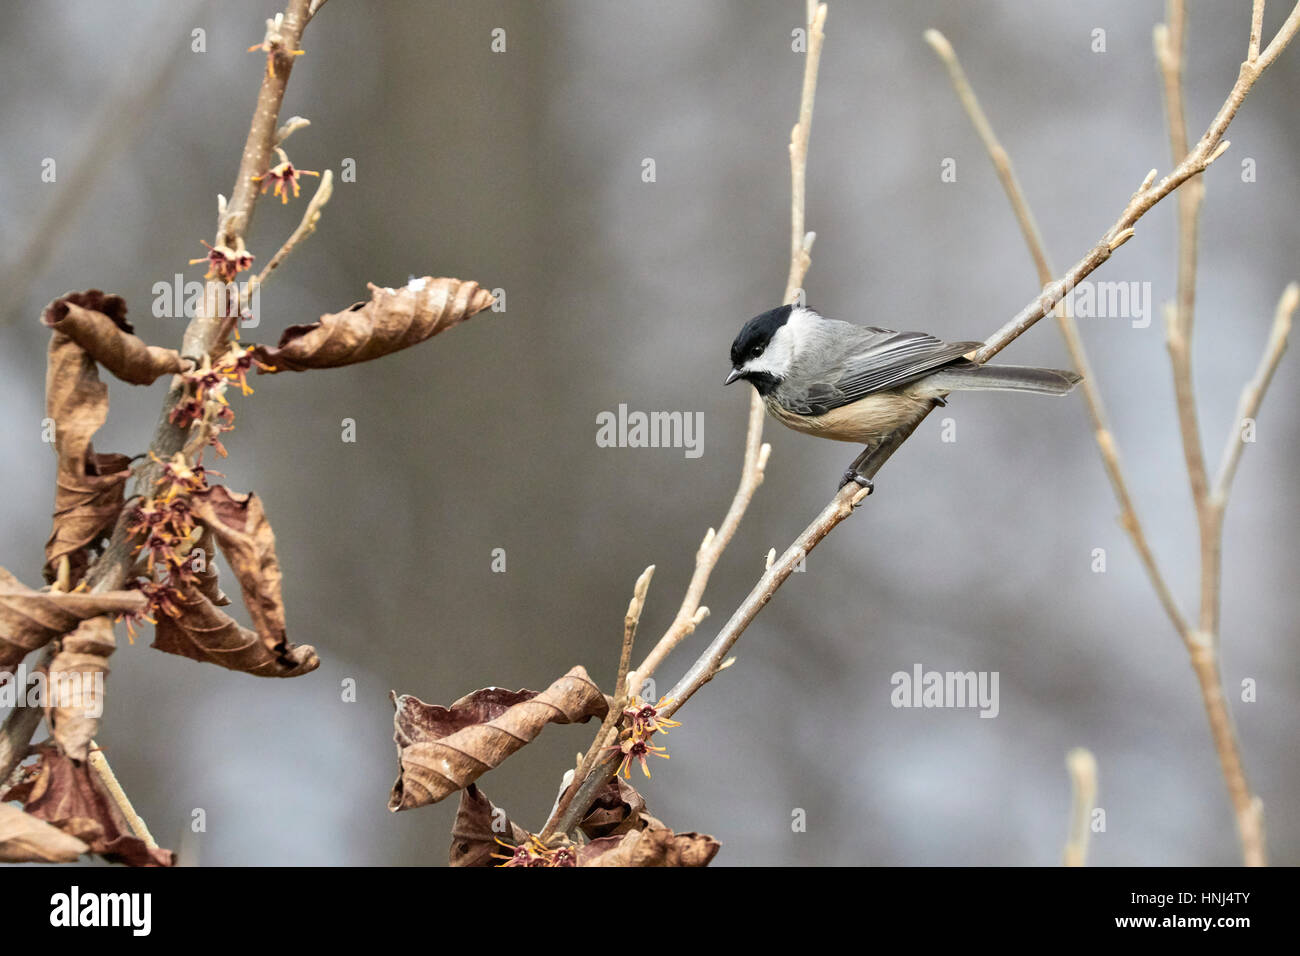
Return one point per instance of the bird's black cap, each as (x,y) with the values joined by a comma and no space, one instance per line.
(758,331)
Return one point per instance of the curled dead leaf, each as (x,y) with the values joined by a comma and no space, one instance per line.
(392,320)
(209,581)
(617,809)
(650,847)
(96,323)
(31,619)
(203,632)
(28,839)
(75,685)
(477,828)
(443,749)
(242,531)
(89,328)
(70,796)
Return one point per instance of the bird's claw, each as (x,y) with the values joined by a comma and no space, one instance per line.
(862,480)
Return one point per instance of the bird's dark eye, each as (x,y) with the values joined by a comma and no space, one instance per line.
(756,351)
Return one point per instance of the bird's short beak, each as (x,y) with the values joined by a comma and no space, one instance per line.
(735,374)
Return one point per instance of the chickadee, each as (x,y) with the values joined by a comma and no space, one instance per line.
(859,384)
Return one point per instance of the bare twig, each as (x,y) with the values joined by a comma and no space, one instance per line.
(310,217)
(1082,766)
(624,689)
(690,614)
(1069,328)
(1253,393)
(1208,148)
(99,763)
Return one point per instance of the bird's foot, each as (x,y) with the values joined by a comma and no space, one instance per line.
(863,480)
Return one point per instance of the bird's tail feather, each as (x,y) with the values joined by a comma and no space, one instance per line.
(1010,378)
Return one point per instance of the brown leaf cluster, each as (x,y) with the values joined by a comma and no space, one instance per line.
(444,749)
(31,619)
(621,833)
(69,795)
(89,328)
(392,320)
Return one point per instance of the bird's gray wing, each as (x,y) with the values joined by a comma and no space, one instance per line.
(874,360)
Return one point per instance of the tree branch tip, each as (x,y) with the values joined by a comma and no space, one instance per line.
(289,127)
(1291,297)
(938,41)
(724,665)
(808,239)
(1218,151)
(771,559)
(1080,761)
(860,496)
(764,453)
(700,614)
(1146,183)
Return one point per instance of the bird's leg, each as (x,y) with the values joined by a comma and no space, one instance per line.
(854,472)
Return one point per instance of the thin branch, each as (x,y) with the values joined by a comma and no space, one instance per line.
(624,688)
(690,614)
(1203,643)
(16,737)
(1209,148)
(1082,766)
(99,763)
(310,217)
(1069,328)
(1253,393)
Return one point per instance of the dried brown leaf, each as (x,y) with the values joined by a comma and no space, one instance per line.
(209,581)
(75,685)
(477,828)
(244,534)
(96,323)
(617,809)
(203,632)
(28,839)
(650,847)
(443,749)
(392,320)
(31,619)
(89,327)
(70,796)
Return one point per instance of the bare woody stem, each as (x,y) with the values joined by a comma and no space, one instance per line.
(1151,191)
(691,613)
(1082,766)
(99,764)
(206,333)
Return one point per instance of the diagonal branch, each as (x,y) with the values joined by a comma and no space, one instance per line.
(1069,328)
(690,614)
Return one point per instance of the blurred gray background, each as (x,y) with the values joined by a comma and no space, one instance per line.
(522,170)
